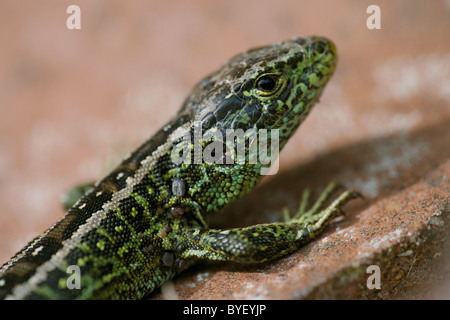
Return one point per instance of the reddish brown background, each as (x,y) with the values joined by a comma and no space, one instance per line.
(72,103)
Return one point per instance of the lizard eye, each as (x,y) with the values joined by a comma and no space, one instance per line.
(267,83)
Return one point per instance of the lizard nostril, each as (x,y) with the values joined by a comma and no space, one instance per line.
(320,48)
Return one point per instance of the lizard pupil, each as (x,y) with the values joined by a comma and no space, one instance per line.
(267,83)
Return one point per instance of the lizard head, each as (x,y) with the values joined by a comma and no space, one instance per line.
(271,88)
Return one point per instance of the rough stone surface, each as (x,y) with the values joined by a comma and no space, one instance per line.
(73,103)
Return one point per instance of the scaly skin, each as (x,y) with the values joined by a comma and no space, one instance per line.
(146,221)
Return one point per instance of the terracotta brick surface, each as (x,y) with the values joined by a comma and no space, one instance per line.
(74,102)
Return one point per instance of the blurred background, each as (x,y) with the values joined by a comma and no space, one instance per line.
(74,102)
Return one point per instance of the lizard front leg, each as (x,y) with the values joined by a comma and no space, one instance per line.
(268,241)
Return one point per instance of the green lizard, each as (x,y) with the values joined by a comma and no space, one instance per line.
(146,221)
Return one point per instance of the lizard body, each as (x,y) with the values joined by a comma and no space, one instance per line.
(146,221)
